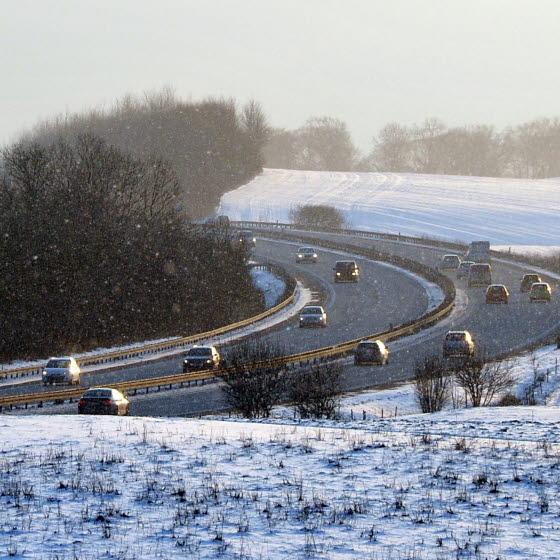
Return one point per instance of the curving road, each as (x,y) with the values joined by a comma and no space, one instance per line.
(381,298)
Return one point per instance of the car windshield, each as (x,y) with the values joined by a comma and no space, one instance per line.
(58,364)
(98,393)
(306,250)
(345,265)
(311,311)
(456,336)
(368,348)
(200,352)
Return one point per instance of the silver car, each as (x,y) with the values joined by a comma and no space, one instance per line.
(306,255)
(313,316)
(62,370)
(449,262)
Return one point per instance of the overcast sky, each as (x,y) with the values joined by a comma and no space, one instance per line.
(367,62)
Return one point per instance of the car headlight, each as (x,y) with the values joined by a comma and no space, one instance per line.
(338,273)
(208,361)
(44,372)
(314,256)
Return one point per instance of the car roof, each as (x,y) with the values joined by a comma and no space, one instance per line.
(61,358)
(496,286)
(458,332)
(539,284)
(306,249)
(203,346)
(313,307)
(451,255)
(376,342)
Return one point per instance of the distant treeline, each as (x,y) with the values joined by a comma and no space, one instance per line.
(95,250)
(212,145)
(530,150)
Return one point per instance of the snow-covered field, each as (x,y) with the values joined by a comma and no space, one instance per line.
(462,484)
(507,212)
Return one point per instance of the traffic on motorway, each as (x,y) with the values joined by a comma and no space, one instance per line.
(383,298)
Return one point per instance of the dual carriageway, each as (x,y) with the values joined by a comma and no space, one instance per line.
(385,298)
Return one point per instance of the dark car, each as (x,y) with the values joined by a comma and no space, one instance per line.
(480,274)
(346,271)
(306,255)
(449,262)
(247,238)
(371,352)
(497,293)
(201,357)
(528,280)
(458,344)
(104,400)
(540,291)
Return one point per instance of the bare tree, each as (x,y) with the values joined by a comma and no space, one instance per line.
(483,380)
(317,216)
(392,149)
(255,379)
(324,144)
(431,384)
(315,391)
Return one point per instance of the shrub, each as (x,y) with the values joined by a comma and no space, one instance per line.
(509,399)
(431,384)
(315,391)
(317,216)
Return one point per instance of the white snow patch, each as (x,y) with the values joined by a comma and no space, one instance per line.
(270,285)
(506,212)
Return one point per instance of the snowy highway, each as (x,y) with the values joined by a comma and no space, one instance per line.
(382,298)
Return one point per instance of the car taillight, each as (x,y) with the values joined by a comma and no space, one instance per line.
(81,401)
(106,401)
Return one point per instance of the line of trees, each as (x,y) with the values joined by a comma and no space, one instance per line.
(95,250)
(529,150)
(213,145)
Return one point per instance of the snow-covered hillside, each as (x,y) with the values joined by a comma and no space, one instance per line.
(505,211)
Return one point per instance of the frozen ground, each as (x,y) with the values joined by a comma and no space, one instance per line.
(507,212)
(461,484)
